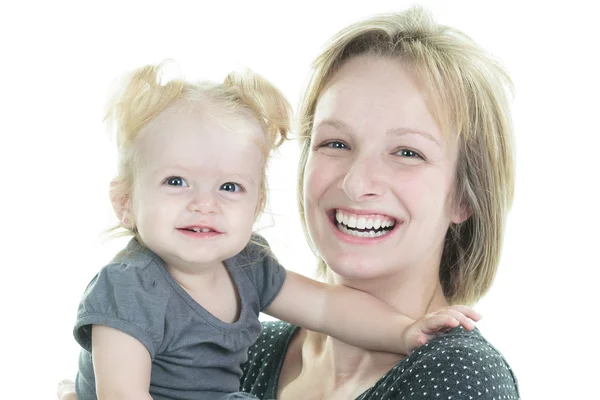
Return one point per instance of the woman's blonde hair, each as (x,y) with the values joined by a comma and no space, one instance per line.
(144,96)
(468,94)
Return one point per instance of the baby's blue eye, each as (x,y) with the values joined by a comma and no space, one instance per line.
(231,187)
(176,181)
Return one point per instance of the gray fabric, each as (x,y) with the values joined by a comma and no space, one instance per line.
(194,354)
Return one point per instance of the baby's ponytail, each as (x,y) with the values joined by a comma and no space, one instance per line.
(267,103)
(142,98)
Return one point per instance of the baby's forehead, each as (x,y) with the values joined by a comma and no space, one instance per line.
(197,142)
(204,118)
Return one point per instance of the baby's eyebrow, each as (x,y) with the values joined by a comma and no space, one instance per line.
(244,177)
(169,170)
(163,171)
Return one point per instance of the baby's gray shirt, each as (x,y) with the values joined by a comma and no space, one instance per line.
(194,354)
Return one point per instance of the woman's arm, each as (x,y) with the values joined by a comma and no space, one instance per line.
(122,365)
(358,318)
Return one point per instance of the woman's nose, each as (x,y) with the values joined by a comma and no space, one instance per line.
(364,179)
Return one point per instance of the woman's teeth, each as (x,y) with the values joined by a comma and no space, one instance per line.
(361,233)
(363,226)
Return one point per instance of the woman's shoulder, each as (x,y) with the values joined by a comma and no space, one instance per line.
(460,364)
(265,358)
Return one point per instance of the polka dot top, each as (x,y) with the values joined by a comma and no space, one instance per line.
(459,365)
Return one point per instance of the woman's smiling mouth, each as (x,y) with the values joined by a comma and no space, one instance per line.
(370,225)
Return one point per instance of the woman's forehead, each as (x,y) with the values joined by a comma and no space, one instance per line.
(375,93)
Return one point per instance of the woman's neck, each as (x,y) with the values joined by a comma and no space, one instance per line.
(412,293)
(412,296)
(342,362)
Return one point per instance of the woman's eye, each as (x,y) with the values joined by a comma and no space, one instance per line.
(409,153)
(335,145)
(231,187)
(176,181)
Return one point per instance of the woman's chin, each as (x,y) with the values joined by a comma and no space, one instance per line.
(349,266)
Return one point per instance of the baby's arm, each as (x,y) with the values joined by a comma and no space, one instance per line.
(358,318)
(122,365)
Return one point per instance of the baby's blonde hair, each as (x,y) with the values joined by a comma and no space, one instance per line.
(468,93)
(143,97)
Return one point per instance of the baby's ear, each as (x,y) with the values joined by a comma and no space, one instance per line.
(260,206)
(262,199)
(120,199)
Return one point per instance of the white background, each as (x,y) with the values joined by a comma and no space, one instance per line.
(58,60)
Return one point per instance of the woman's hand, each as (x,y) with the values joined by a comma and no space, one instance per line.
(435,323)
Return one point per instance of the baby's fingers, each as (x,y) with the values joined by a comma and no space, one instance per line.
(66,390)
(466,311)
(463,320)
(437,323)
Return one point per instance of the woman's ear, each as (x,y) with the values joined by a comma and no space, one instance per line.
(462,212)
(120,199)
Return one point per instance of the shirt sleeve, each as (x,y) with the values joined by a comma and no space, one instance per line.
(263,269)
(126,297)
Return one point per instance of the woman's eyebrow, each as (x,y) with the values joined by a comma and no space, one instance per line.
(405,131)
(334,123)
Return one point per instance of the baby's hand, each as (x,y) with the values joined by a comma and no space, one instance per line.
(66,390)
(426,328)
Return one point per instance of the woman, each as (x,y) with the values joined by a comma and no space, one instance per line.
(406,177)
(406,135)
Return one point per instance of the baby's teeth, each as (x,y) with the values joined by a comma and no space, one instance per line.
(203,230)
